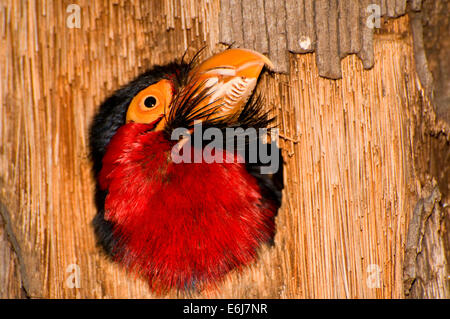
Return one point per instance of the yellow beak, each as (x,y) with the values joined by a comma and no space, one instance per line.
(228,79)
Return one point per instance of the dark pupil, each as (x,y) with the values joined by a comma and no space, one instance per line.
(150,101)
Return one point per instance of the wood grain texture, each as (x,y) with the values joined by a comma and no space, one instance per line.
(332,28)
(300,25)
(327,56)
(10,280)
(435,46)
(366,34)
(348,144)
(425,266)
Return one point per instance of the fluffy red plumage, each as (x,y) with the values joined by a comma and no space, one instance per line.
(177,226)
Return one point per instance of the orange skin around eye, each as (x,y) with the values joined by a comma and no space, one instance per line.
(139,113)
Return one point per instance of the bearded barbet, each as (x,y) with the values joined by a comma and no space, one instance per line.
(184,224)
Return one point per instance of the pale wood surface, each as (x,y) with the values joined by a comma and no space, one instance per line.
(350,174)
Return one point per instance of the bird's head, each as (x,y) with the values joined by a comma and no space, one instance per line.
(216,89)
(216,92)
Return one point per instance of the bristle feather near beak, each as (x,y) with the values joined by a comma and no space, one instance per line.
(225,82)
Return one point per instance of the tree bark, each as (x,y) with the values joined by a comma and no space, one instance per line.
(359,151)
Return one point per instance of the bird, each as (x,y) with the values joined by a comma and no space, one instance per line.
(184,225)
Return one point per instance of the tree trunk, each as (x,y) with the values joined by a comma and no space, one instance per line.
(365,153)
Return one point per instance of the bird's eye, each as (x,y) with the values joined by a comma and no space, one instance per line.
(150,101)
